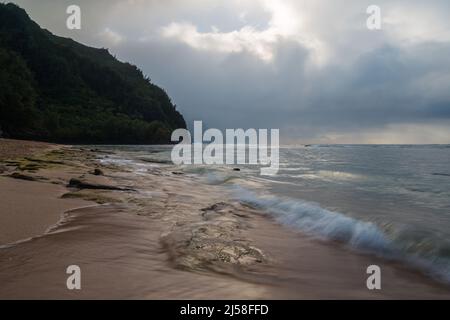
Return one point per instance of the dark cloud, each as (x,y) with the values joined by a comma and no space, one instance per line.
(368,82)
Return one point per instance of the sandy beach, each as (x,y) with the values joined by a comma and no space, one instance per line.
(162,234)
(28,208)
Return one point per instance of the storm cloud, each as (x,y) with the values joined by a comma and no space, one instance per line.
(311,68)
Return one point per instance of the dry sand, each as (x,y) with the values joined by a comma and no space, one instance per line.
(156,234)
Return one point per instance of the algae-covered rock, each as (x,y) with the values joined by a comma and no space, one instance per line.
(211,244)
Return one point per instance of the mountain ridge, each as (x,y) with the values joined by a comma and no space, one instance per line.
(56,89)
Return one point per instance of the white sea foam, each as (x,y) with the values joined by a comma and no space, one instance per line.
(317,221)
(325,224)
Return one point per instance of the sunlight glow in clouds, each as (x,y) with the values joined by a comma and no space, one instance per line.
(285,23)
(111,37)
(308,67)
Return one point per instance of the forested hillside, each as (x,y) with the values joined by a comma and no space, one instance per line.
(55,89)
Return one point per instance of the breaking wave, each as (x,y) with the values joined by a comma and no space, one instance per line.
(325,224)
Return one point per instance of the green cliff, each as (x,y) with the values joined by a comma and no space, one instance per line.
(55,89)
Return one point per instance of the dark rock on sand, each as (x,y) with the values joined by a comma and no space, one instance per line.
(80,184)
(97,172)
(44,161)
(236,169)
(20,176)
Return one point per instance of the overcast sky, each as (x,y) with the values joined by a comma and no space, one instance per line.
(308,67)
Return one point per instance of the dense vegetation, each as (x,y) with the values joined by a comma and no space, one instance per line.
(55,89)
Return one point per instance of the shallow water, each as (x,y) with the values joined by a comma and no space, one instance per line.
(402,191)
(391,200)
(120,251)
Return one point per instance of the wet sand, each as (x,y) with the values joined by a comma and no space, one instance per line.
(29,208)
(158,234)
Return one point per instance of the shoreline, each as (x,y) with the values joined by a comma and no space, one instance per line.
(158,234)
(28,207)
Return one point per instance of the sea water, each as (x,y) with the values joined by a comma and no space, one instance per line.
(388,200)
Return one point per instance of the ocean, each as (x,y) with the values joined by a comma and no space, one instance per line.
(391,201)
